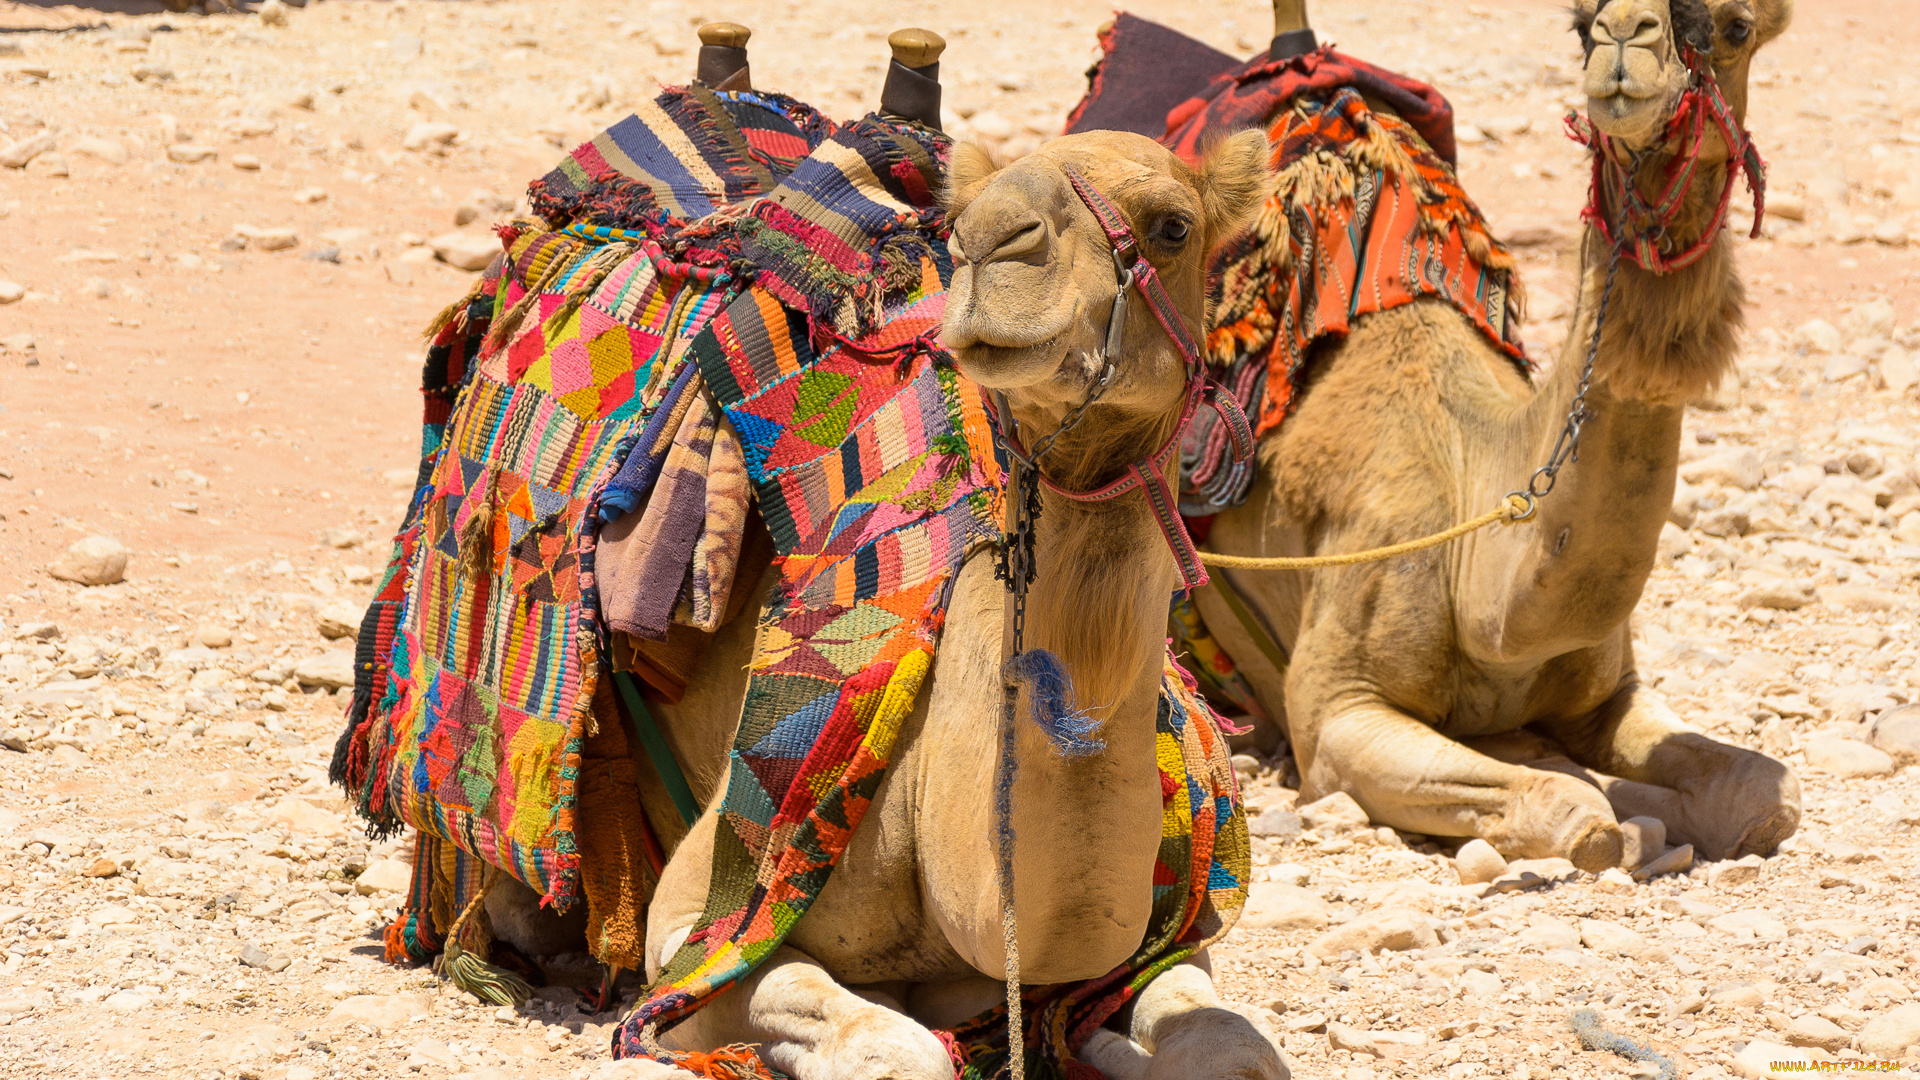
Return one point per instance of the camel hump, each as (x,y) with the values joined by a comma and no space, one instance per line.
(723,56)
(1292,34)
(912,90)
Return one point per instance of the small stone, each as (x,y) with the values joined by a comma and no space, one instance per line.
(101,867)
(212,636)
(190,153)
(1778,596)
(1898,370)
(1336,812)
(1642,840)
(1763,1060)
(1675,861)
(1479,983)
(93,146)
(1506,127)
(1273,906)
(1611,938)
(1546,932)
(429,133)
(305,819)
(277,239)
(406,47)
(17,343)
(1776,738)
(392,875)
(1477,862)
(1846,757)
(1907,530)
(273,13)
(1893,1034)
(1392,929)
(1276,823)
(1818,336)
(1732,875)
(245,162)
(342,538)
(1289,874)
(466,250)
(97,560)
(18,154)
(1614,880)
(1845,366)
(337,621)
(1762,925)
(383,1011)
(307,196)
(398,273)
(11,292)
(127,1001)
(1739,995)
(1862,598)
(152,73)
(1726,522)
(1738,467)
(1897,734)
(254,956)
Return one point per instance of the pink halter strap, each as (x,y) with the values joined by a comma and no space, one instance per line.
(1148,475)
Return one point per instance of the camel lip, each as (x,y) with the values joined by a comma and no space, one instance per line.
(1009,367)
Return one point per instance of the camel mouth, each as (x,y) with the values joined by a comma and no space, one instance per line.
(1630,93)
(1010,367)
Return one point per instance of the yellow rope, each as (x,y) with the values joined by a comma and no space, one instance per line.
(1517,507)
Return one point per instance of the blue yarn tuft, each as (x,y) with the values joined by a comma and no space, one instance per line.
(1594,1036)
(1050,697)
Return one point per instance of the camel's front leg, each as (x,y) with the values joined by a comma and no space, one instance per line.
(1188,1033)
(1724,800)
(804,1022)
(1407,775)
(810,1027)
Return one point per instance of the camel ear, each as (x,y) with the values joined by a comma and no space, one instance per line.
(967,166)
(1233,182)
(1774,17)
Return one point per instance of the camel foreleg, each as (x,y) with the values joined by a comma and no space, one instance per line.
(1727,801)
(1407,775)
(1183,1031)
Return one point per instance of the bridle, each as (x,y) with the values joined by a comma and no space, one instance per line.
(1643,235)
(1024,480)
(1149,474)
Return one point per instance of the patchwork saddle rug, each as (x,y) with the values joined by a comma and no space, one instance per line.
(724,285)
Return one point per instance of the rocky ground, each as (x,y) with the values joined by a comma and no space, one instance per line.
(223,234)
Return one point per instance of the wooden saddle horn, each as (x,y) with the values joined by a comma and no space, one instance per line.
(912,90)
(723,57)
(1292,36)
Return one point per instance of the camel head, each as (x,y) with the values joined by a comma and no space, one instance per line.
(1034,278)
(1635,74)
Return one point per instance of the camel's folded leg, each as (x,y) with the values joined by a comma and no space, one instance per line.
(1726,801)
(1409,776)
(810,1027)
(1191,1034)
(805,1023)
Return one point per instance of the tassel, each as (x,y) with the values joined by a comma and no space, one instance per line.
(1050,699)
(488,982)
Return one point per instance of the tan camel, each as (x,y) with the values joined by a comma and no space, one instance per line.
(906,935)
(1446,691)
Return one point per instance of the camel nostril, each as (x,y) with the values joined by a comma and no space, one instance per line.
(1629,28)
(1023,241)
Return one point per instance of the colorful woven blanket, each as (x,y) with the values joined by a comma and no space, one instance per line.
(1366,214)
(478,660)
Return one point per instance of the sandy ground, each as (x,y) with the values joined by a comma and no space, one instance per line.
(181,894)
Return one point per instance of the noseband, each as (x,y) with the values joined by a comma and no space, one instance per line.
(1149,474)
(1643,236)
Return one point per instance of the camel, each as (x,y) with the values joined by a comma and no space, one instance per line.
(1487,688)
(907,933)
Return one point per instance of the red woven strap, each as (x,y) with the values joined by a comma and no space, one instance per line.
(1644,227)
(1143,275)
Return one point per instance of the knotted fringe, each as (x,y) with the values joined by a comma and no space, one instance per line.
(468,971)
(1050,702)
(736,1062)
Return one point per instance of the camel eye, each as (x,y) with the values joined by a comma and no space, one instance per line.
(1172,231)
(1737,32)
